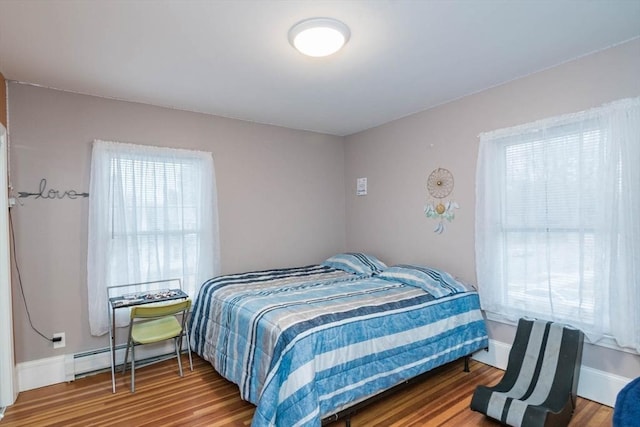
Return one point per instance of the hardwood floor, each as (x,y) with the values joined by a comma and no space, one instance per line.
(203,398)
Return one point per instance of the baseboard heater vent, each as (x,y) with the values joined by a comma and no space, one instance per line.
(97,361)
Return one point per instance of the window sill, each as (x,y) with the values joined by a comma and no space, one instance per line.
(606,341)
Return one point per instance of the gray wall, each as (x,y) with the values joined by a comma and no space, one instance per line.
(280,193)
(398,157)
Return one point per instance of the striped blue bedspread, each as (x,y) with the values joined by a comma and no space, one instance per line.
(307,342)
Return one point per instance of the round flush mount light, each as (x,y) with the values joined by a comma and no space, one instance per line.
(319,36)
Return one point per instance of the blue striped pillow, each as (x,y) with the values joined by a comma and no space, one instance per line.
(356,262)
(437,283)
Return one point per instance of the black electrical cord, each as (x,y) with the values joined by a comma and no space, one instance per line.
(15,261)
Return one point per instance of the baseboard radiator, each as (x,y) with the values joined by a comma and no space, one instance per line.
(97,361)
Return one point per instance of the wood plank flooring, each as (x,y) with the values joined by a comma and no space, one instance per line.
(203,398)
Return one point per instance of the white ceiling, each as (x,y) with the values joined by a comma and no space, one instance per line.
(233,59)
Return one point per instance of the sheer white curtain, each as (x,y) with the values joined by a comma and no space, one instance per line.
(557,228)
(152,216)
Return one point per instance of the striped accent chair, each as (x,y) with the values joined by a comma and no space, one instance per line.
(539,386)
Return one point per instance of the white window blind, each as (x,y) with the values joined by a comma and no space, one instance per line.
(555,219)
(152,216)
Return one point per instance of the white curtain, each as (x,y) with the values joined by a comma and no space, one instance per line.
(152,216)
(557,228)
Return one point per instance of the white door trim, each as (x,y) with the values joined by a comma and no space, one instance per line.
(8,389)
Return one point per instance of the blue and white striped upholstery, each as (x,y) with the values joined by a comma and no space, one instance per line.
(539,385)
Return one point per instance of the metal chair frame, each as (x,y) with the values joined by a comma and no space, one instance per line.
(151,313)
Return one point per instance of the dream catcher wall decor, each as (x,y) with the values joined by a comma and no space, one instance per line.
(439,186)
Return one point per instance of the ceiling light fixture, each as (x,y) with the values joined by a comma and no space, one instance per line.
(319,36)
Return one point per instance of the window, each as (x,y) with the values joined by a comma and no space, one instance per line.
(548,223)
(555,221)
(152,216)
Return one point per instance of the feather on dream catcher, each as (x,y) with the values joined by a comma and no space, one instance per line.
(439,186)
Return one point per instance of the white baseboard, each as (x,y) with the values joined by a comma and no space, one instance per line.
(42,372)
(497,356)
(596,385)
(64,368)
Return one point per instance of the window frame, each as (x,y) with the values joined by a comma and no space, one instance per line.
(121,245)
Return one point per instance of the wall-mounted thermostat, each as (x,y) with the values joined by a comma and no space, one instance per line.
(361,187)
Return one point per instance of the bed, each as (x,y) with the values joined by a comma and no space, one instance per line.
(307,342)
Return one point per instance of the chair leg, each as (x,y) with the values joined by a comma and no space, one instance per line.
(126,355)
(178,355)
(186,334)
(133,368)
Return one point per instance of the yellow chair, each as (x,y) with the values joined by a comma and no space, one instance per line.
(157,323)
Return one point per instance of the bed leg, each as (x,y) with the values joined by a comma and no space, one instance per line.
(466,364)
